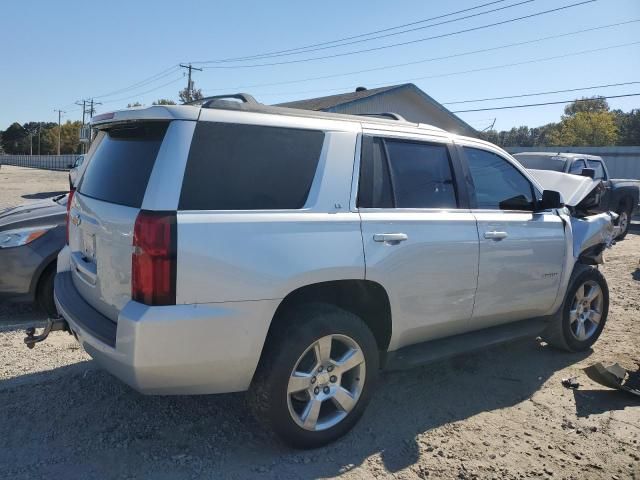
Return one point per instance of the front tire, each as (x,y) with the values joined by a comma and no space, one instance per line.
(624,220)
(316,375)
(583,314)
(44,293)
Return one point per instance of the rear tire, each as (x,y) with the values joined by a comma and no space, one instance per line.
(44,293)
(315,376)
(583,314)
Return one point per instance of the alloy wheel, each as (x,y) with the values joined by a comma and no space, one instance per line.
(326,382)
(586,310)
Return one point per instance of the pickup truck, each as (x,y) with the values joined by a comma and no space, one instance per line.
(619,195)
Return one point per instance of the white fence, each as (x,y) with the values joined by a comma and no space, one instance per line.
(47,162)
(622,162)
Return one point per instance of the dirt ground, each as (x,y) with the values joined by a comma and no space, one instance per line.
(500,413)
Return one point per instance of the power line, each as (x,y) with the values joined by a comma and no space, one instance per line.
(474,70)
(419,40)
(163,74)
(545,103)
(353,42)
(145,92)
(426,60)
(541,93)
(260,55)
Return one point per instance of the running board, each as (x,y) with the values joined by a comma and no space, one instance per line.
(434,350)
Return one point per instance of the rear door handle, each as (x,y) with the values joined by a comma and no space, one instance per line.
(390,238)
(494,235)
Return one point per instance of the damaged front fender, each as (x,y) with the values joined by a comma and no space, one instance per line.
(592,235)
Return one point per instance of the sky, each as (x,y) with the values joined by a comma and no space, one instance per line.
(119,52)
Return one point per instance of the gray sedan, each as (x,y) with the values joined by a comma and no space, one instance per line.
(31,236)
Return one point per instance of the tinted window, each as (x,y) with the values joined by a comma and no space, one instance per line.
(576,167)
(119,169)
(249,167)
(375,183)
(540,162)
(421,175)
(597,166)
(498,184)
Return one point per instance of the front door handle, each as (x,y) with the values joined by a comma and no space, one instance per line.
(390,238)
(494,235)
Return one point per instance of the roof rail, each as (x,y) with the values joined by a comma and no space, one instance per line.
(391,115)
(207,101)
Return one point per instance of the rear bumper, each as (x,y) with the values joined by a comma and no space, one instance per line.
(171,350)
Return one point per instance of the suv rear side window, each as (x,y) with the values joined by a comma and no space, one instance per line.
(406,174)
(120,168)
(249,167)
(498,184)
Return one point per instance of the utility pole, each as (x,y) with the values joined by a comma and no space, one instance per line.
(60,112)
(91,109)
(39,131)
(31,144)
(84,109)
(189,83)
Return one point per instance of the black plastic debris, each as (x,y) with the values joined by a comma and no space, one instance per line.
(614,376)
(571,382)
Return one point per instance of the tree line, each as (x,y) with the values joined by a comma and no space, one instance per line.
(587,122)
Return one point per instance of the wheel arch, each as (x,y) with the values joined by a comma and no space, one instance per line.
(364,298)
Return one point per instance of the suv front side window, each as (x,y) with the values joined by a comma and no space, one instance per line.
(498,184)
(406,174)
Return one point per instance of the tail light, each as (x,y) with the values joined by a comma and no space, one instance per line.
(69,199)
(153,262)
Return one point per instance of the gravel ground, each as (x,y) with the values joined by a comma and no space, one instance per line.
(500,413)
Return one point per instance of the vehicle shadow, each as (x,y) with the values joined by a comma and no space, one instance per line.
(90,424)
(592,402)
(42,195)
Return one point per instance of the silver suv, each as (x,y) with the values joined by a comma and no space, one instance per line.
(231,246)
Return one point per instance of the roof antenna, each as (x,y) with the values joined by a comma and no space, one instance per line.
(361,89)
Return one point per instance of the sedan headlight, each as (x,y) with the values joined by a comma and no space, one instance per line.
(22,236)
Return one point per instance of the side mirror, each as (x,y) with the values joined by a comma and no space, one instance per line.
(550,199)
(588,172)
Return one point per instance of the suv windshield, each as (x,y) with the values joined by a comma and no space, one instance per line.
(121,165)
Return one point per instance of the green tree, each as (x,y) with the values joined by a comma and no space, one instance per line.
(588,129)
(185,96)
(588,105)
(164,101)
(135,104)
(628,127)
(69,137)
(15,139)
(587,122)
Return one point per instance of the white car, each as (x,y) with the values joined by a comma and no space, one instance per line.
(74,171)
(225,246)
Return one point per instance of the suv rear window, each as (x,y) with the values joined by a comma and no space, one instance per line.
(119,170)
(249,167)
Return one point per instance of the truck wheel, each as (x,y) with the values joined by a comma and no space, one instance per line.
(44,293)
(316,375)
(624,221)
(583,314)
